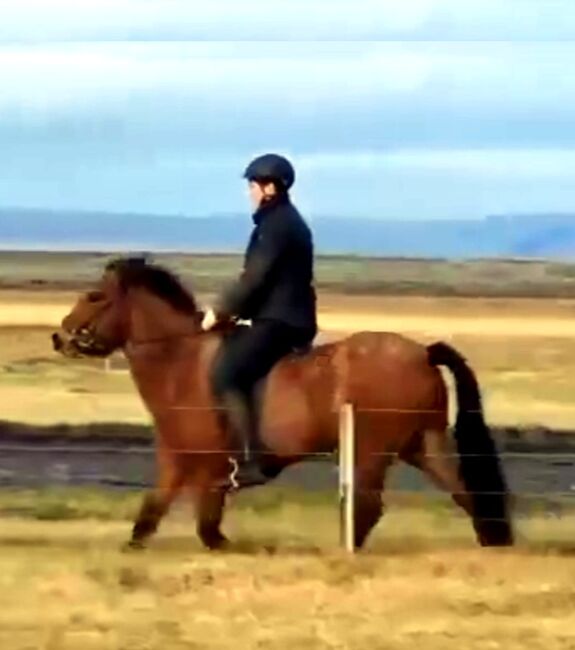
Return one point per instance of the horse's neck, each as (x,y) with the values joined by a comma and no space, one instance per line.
(160,339)
(152,320)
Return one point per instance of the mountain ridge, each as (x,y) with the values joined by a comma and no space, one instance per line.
(508,235)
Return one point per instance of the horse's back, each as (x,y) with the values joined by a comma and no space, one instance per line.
(391,372)
(383,374)
(360,359)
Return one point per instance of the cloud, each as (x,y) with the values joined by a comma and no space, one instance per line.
(438,184)
(386,129)
(515,164)
(399,184)
(218,19)
(318,97)
(77,75)
(249,20)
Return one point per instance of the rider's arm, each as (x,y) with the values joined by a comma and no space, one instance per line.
(239,298)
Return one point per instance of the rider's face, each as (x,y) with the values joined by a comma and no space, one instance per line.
(258,192)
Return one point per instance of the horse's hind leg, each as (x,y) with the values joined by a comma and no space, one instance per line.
(434,457)
(157,503)
(210,502)
(368,503)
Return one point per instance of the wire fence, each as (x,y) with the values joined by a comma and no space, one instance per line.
(80,447)
(531,476)
(545,478)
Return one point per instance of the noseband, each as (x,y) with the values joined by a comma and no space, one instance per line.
(87,342)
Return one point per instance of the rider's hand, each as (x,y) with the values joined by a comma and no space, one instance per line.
(209,319)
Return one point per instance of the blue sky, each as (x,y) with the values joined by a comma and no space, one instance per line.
(412,108)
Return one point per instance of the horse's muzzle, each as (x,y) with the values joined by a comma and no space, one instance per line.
(65,345)
(57,342)
(80,344)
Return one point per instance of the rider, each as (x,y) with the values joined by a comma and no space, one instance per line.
(276,292)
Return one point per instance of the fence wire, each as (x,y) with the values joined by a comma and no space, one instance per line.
(548,460)
(148,448)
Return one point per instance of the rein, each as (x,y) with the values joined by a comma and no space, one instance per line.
(131,344)
(87,339)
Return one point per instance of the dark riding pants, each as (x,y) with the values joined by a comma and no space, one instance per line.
(248,355)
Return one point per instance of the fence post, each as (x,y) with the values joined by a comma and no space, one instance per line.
(347,477)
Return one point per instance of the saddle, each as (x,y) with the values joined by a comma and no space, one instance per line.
(228,329)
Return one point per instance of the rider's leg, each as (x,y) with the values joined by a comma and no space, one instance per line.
(244,359)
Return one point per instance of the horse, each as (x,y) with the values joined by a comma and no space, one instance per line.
(394,384)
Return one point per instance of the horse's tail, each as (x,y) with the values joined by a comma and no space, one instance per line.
(480,467)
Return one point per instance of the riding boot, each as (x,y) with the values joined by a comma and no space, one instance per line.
(246,469)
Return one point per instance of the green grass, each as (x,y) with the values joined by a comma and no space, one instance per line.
(77,503)
(274,503)
(208,273)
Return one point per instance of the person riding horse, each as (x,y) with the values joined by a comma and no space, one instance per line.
(276,292)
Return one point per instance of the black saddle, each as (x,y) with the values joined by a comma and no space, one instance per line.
(236,328)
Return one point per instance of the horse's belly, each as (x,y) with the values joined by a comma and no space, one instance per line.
(294,421)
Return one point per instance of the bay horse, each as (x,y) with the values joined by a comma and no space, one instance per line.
(393,383)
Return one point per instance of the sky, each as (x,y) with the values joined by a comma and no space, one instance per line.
(388,108)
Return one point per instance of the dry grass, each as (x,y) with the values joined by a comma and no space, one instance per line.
(339,313)
(523,350)
(37,386)
(422,582)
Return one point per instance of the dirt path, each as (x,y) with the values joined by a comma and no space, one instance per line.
(108,464)
(446,326)
(19,313)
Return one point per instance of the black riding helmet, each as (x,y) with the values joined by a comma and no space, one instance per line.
(271,168)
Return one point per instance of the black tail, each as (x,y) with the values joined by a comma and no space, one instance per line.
(480,466)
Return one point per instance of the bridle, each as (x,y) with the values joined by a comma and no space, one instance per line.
(85,341)
(88,342)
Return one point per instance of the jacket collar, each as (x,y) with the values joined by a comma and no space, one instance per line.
(269,206)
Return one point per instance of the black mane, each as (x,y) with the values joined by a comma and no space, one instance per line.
(136,272)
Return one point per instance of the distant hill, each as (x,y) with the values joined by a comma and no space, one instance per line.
(539,235)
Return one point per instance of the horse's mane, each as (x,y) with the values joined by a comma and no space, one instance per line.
(134,272)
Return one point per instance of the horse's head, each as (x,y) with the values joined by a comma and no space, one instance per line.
(99,323)
(94,327)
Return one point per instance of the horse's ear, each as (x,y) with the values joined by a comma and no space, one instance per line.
(128,262)
(126,268)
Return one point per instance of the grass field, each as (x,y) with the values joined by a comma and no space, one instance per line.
(422,582)
(522,349)
(342,275)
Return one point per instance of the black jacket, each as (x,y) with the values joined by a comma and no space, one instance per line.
(277,281)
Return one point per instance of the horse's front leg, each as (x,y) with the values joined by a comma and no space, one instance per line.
(156,503)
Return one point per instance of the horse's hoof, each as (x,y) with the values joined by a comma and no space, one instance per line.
(217,543)
(131,546)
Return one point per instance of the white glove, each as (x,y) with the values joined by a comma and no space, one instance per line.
(209,319)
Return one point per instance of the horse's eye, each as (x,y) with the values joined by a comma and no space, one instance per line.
(95,296)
